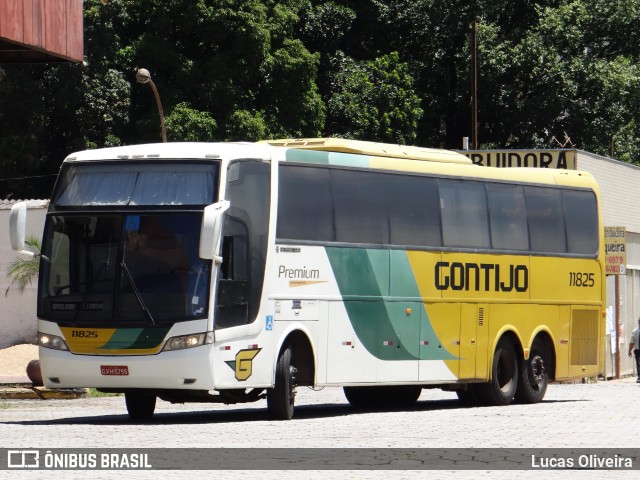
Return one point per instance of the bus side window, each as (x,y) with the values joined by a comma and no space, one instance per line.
(413,208)
(464,214)
(233,285)
(546,220)
(508,218)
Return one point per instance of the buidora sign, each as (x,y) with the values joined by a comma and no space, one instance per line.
(561,159)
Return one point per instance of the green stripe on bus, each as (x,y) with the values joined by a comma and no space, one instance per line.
(363,280)
(403,284)
(135,338)
(327,158)
(150,338)
(307,156)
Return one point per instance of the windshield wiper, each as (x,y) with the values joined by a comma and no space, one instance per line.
(88,291)
(136,292)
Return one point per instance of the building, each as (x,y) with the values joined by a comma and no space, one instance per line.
(620,198)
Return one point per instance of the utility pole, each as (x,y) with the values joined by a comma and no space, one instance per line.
(474,87)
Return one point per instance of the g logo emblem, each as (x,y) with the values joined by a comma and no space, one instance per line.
(243,364)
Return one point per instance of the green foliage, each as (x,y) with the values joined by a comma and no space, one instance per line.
(375,100)
(291,100)
(395,70)
(248,126)
(186,124)
(325,25)
(22,272)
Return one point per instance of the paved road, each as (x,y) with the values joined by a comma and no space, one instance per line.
(601,415)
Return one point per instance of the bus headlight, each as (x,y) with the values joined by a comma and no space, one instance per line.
(54,342)
(188,341)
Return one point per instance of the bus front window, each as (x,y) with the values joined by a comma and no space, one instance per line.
(111,268)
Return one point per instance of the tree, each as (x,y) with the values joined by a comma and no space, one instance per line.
(225,71)
(185,124)
(396,70)
(375,100)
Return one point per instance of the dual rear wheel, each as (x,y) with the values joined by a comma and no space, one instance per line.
(511,378)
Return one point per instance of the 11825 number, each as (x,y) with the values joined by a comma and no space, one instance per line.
(578,279)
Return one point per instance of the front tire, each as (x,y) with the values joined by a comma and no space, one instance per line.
(504,376)
(281,398)
(140,406)
(534,376)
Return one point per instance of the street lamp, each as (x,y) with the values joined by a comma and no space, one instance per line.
(143,76)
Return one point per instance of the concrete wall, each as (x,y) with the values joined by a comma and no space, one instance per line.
(18,322)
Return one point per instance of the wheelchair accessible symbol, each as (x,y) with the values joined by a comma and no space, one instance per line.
(269,323)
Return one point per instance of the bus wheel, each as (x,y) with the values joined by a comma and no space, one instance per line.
(281,398)
(534,377)
(140,406)
(504,376)
(402,395)
(359,397)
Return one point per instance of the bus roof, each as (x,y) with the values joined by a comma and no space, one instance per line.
(373,149)
(339,152)
(173,150)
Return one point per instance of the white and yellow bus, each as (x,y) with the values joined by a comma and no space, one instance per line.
(231,272)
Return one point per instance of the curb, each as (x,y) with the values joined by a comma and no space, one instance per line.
(28,392)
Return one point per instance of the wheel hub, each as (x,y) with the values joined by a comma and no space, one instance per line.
(292,389)
(536,370)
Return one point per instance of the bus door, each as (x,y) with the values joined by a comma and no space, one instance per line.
(473,340)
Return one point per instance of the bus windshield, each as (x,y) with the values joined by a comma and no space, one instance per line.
(123,268)
(121,243)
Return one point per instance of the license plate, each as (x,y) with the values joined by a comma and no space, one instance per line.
(118,370)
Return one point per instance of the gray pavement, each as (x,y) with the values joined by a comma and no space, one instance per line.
(600,415)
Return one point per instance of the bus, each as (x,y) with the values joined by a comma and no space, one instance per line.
(235,272)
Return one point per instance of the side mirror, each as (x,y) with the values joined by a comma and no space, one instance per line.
(211,230)
(17,225)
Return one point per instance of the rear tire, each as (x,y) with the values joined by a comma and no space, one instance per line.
(504,376)
(534,376)
(281,398)
(140,406)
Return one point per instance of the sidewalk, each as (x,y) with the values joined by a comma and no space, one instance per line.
(14,383)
